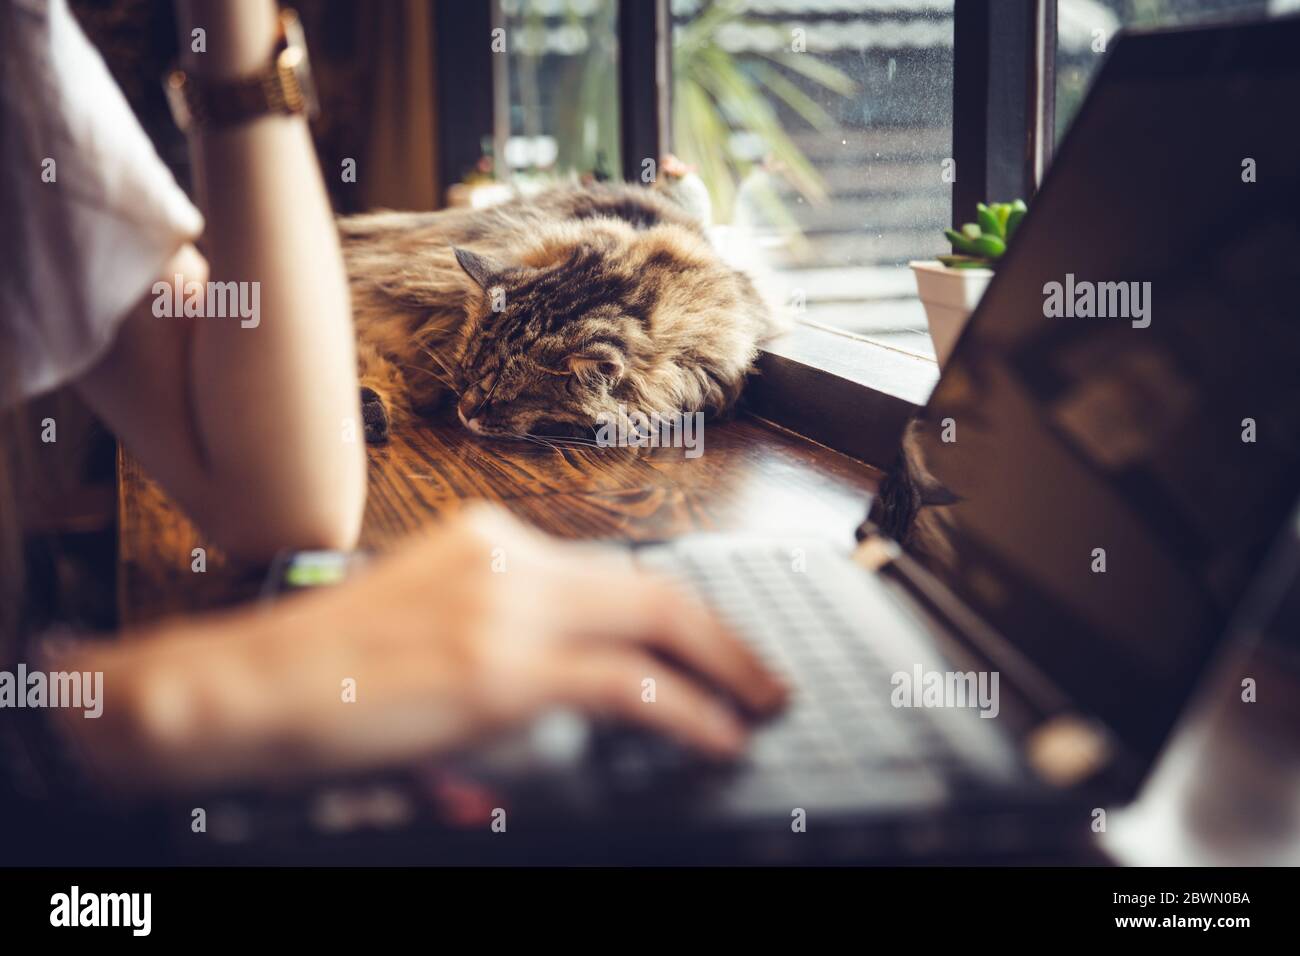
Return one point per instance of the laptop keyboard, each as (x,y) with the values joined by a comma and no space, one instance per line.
(838,637)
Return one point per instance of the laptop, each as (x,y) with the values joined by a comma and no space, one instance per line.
(1101,476)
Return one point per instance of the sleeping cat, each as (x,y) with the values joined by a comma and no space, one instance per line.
(540,314)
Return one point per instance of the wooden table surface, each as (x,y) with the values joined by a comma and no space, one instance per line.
(751,477)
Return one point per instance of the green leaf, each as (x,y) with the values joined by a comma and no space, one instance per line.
(990,246)
(1014,218)
(960,243)
(1002,212)
(988,220)
(971,231)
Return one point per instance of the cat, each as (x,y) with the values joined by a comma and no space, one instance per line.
(549,314)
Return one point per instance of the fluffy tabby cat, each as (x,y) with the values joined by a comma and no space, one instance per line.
(540,314)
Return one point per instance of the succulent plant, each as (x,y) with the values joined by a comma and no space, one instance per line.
(979,245)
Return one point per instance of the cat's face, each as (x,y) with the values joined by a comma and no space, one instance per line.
(549,350)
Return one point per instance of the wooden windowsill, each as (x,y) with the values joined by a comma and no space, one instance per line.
(841,390)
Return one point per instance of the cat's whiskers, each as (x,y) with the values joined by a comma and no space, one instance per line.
(442,366)
(536,440)
(446,365)
(567,440)
(552,443)
(430,332)
(437,378)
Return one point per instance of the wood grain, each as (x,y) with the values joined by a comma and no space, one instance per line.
(752,477)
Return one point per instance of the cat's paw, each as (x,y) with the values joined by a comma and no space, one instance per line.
(374,417)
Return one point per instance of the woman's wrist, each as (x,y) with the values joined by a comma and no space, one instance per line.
(238,36)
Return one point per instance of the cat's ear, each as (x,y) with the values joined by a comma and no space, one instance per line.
(602,363)
(480,268)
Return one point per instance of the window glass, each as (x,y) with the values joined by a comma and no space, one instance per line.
(819,129)
(562,109)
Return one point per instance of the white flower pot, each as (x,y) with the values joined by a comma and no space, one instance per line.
(949,297)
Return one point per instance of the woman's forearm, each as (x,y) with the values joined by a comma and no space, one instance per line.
(275,403)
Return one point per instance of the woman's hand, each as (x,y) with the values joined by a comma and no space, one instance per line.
(476,627)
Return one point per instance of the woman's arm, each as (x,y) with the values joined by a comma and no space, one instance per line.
(255,430)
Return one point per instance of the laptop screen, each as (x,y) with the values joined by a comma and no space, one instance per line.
(1120,422)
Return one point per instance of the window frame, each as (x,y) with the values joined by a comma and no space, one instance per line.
(468,117)
(839,389)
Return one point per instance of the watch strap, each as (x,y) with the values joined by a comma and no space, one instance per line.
(281,89)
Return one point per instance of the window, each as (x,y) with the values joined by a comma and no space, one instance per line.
(561,108)
(820,129)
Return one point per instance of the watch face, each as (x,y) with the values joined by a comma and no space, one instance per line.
(174,87)
(294,60)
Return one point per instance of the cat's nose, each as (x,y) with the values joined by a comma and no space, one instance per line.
(467,410)
(470,403)
(470,423)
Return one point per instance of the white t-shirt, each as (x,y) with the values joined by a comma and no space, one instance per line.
(89,215)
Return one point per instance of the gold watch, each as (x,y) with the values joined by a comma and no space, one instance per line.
(284,88)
